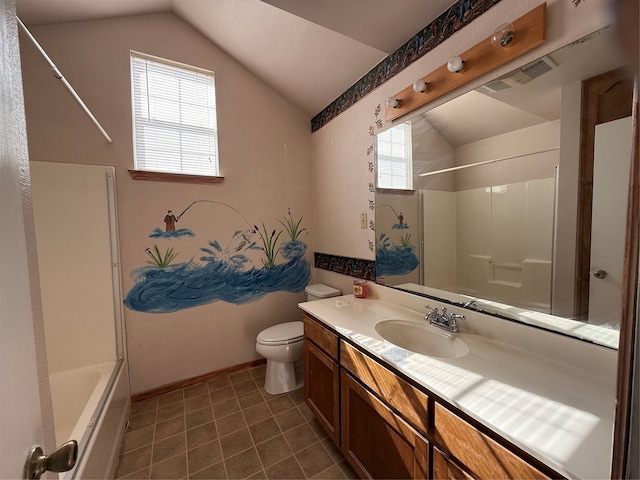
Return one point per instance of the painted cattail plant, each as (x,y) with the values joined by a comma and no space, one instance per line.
(405,240)
(269,243)
(292,227)
(158,259)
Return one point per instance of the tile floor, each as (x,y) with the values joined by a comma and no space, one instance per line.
(229,427)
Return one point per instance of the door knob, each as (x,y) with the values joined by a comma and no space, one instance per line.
(62,459)
(600,274)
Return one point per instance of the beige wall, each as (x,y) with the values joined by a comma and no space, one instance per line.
(339,149)
(264,156)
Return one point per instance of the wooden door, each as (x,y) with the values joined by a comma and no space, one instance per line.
(322,388)
(377,442)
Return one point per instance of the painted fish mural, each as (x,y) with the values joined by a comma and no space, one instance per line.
(240,240)
(222,274)
(395,259)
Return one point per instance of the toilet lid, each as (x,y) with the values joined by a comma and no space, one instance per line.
(282,334)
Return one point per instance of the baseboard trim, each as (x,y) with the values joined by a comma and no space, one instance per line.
(195,380)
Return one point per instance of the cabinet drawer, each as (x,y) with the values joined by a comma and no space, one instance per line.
(479,453)
(321,336)
(409,401)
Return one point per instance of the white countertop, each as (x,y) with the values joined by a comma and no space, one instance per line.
(560,413)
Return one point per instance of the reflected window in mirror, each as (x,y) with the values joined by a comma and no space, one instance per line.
(394,154)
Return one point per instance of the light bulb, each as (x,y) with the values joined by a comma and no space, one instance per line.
(420,86)
(393,102)
(503,36)
(455,65)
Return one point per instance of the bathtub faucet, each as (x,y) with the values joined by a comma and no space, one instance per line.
(442,319)
(471,304)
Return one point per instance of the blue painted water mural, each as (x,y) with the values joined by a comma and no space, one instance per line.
(220,277)
(181,232)
(396,260)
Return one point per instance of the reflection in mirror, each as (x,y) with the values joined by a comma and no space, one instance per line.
(517,185)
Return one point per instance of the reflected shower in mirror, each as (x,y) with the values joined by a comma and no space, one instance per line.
(486,201)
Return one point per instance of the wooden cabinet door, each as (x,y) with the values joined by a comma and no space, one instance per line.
(377,442)
(322,389)
(446,469)
(477,452)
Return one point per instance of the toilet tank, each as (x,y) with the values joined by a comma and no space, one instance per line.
(320,291)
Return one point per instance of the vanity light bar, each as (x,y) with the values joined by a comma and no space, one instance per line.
(530,30)
(486,162)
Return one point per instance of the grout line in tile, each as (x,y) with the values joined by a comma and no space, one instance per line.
(184,420)
(224,464)
(252,440)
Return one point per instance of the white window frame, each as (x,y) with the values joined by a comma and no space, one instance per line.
(174,147)
(394,158)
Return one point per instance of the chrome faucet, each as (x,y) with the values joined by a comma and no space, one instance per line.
(471,304)
(442,319)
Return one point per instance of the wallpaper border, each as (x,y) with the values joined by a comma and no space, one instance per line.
(355,267)
(459,15)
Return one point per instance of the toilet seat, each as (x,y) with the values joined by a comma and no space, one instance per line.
(282,334)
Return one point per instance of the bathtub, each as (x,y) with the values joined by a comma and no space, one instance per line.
(91,405)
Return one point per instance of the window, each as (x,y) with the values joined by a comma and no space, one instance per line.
(174,117)
(393,149)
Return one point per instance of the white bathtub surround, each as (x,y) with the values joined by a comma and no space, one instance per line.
(78,262)
(76,394)
(515,220)
(552,396)
(91,405)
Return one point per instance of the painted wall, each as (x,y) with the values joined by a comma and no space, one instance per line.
(340,156)
(264,156)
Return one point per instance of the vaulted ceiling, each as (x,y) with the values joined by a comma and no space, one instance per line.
(310,51)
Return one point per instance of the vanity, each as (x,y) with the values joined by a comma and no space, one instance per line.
(492,401)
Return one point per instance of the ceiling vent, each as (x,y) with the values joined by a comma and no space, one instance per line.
(521,76)
(539,67)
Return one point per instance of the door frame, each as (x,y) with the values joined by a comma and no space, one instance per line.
(623,436)
(605,98)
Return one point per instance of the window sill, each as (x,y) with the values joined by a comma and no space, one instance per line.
(173,177)
(395,191)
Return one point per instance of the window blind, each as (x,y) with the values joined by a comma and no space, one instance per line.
(394,158)
(174,118)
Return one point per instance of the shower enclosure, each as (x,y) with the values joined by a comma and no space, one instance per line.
(78,260)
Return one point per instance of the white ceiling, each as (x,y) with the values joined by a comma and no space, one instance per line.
(310,51)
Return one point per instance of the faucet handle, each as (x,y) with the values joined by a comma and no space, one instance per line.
(434,310)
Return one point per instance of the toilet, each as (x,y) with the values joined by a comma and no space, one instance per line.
(281,345)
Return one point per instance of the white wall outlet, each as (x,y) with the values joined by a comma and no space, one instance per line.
(363,220)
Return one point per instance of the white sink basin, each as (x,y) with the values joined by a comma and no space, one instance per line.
(421,339)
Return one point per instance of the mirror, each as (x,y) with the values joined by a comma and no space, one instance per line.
(502,201)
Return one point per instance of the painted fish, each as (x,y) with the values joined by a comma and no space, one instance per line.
(240,240)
